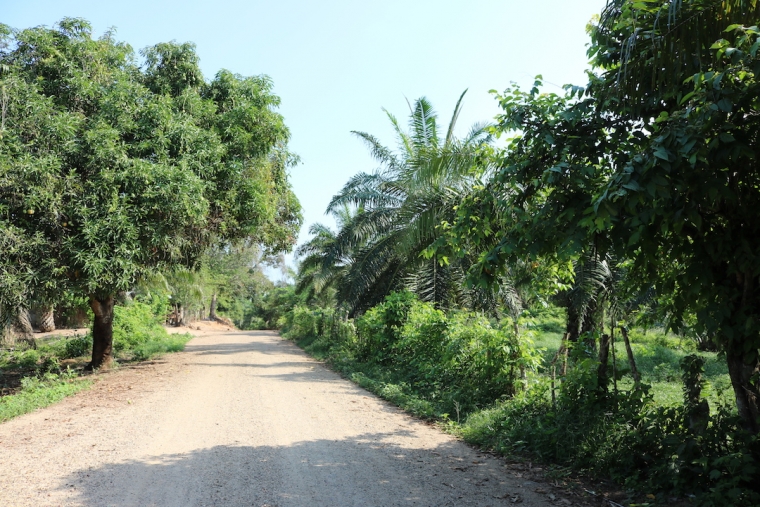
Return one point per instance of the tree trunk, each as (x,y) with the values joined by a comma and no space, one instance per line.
(743,362)
(184,316)
(629,351)
(23,327)
(178,315)
(212,308)
(604,351)
(589,325)
(102,333)
(746,391)
(573,325)
(614,359)
(23,322)
(46,319)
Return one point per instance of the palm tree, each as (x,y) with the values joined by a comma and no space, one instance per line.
(397,213)
(320,273)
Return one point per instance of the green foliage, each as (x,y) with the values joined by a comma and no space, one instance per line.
(626,438)
(437,363)
(389,217)
(379,328)
(657,170)
(459,367)
(276,303)
(138,335)
(302,322)
(77,346)
(157,346)
(550,319)
(138,330)
(72,310)
(110,170)
(135,324)
(49,364)
(28,359)
(38,392)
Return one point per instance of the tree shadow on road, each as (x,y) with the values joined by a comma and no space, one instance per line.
(367,470)
(245,345)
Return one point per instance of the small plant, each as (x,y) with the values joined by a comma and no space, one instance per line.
(77,346)
(49,364)
(28,359)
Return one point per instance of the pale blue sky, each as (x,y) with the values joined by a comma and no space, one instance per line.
(336,63)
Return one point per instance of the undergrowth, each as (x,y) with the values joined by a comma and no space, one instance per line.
(37,378)
(41,391)
(495,390)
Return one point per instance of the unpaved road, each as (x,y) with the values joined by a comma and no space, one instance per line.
(243,418)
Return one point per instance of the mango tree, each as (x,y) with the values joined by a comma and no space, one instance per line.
(109,169)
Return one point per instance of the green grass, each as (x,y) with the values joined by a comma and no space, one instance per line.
(34,378)
(40,392)
(657,355)
(157,347)
(634,439)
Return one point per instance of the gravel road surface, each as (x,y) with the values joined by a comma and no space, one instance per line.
(243,419)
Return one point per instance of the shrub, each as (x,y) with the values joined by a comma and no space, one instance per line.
(137,323)
(486,363)
(379,328)
(302,323)
(28,359)
(77,346)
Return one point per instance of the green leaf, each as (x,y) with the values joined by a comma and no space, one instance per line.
(662,153)
(686,98)
(725,105)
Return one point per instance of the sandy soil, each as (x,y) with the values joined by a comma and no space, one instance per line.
(244,418)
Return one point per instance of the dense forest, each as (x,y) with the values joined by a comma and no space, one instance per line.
(576,281)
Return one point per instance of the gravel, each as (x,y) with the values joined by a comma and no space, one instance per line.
(242,418)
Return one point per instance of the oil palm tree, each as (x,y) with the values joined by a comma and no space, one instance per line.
(320,272)
(398,211)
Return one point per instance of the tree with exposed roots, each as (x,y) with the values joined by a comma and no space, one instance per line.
(110,169)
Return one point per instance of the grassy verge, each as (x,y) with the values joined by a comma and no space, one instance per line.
(642,437)
(39,392)
(31,379)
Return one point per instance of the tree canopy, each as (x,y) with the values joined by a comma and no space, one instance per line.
(655,163)
(388,217)
(110,169)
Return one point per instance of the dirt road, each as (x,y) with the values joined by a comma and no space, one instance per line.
(242,418)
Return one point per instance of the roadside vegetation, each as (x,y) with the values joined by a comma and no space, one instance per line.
(117,170)
(587,292)
(501,391)
(36,377)
(134,192)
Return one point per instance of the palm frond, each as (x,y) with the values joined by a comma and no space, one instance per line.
(423,124)
(379,152)
(454,118)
